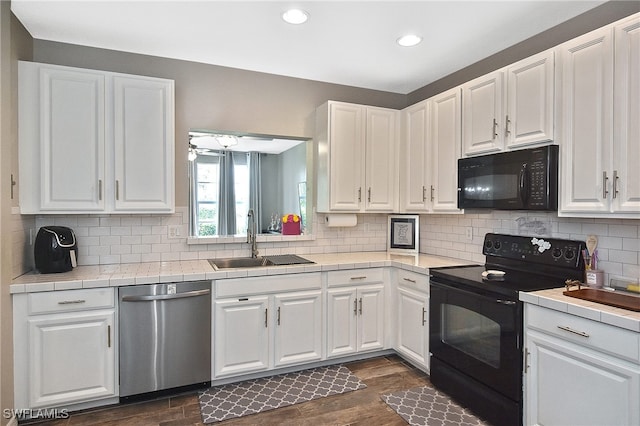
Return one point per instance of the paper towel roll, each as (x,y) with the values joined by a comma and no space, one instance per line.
(334,220)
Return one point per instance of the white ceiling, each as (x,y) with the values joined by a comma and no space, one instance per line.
(344,42)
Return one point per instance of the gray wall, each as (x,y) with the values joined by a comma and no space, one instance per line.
(213,97)
(581,24)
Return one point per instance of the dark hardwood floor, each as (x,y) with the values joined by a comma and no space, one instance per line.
(363,407)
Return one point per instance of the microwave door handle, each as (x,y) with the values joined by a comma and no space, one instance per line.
(524,185)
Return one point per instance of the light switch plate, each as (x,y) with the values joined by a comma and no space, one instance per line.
(174,231)
(468,232)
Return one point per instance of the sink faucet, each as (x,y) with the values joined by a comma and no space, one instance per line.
(251,232)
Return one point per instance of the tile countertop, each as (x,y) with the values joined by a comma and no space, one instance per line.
(196,270)
(554,299)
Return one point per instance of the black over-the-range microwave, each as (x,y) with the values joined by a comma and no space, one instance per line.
(525,179)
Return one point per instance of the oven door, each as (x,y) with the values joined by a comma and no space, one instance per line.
(479,335)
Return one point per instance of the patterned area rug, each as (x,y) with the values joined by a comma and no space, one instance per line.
(427,406)
(253,396)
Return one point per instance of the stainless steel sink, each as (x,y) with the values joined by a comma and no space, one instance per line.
(254,262)
(240,262)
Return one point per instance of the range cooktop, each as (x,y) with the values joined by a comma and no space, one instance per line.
(517,263)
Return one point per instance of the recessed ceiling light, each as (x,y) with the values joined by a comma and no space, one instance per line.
(295,16)
(409,40)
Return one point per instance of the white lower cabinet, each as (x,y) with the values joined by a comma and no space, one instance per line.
(355,320)
(412,338)
(579,371)
(259,332)
(64,347)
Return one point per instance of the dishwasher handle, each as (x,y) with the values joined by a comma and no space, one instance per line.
(165,296)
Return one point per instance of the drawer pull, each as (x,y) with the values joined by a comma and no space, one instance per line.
(71,302)
(410,280)
(359,278)
(571,330)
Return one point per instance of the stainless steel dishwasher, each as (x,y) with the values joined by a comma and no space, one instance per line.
(165,336)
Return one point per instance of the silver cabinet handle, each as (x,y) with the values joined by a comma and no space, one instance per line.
(358,278)
(424,316)
(432,189)
(369,195)
(526,360)
(361,306)
(266,317)
(424,193)
(100,189)
(410,280)
(278,316)
(615,183)
(108,336)
(117,190)
(495,128)
(165,296)
(359,194)
(604,185)
(355,307)
(71,302)
(506,126)
(571,330)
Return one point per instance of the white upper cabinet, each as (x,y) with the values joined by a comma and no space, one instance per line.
(429,154)
(530,100)
(445,140)
(482,114)
(143,142)
(94,142)
(357,151)
(511,107)
(600,132)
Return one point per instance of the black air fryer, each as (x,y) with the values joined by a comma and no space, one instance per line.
(55,249)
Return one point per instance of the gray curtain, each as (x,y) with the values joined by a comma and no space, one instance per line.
(255,183)
(227,205)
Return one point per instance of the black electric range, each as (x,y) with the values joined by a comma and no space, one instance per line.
(527,264)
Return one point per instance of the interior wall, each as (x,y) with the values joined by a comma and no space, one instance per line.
(220,98)
(595,18)
(15,43)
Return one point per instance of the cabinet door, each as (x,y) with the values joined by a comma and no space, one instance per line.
(143,144)
(346,144)
(241,335)
(530,90)
(342,317)
(71,358)
(298,328)
(371,318)
(626,132)
(587,113)
(414,159)
(381,177)
(413,331)
(445,141)
(72,139)
(482,114)
(569,385)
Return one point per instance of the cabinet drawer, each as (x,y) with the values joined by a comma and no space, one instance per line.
(355,277)
(267,284)
(413,279)
(70,300)
(599,336)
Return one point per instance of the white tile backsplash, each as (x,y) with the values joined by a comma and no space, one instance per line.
(115,239)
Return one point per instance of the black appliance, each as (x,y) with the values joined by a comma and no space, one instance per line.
(476,320)
(526,179)
(55,249)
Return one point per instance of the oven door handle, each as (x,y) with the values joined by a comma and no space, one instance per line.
(506,302)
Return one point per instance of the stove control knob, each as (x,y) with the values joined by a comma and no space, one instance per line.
(556,253)
(497,245)
(488,244)
(569,254)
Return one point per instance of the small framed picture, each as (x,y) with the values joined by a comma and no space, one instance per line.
(404,234)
